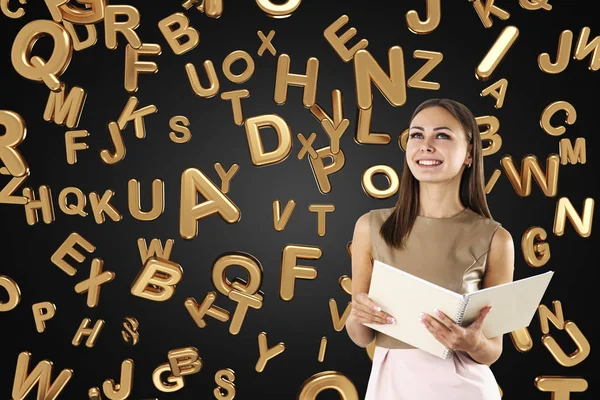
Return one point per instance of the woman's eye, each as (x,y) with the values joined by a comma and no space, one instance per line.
(444,135)
(412,135)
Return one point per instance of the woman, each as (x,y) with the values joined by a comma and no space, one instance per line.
(440,230)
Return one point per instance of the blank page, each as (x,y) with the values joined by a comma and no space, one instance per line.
(513,304)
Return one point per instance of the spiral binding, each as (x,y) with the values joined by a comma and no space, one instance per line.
(460,314)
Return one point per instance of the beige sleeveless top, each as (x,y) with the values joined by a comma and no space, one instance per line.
(450,252)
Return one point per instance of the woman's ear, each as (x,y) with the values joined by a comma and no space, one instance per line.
(469,153)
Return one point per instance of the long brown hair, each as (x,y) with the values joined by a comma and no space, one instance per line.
(398,225)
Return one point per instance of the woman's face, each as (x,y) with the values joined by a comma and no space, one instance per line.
(437,148)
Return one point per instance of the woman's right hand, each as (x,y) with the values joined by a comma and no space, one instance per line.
(364,310)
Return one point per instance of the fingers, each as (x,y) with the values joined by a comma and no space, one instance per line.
(479,320)
(446,320)
(430,321)
(371,307)
(368,318)
(438,331)
(366,306)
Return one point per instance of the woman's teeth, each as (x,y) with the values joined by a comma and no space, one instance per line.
(428,162)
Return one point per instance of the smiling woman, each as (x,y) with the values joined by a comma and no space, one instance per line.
(440,230)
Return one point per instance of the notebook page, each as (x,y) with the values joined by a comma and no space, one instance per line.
(513,304)
(405,296)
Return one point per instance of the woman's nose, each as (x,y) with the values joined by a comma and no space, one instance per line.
(426,147)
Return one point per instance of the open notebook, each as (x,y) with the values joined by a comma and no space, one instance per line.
(405,296)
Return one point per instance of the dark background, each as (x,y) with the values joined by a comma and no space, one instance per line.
(300,323)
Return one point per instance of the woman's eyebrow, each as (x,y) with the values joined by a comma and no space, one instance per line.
(435,129)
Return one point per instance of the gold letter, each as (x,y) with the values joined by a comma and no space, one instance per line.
(235,96)
(34,67)
(484,12)
(498,91)
(565,41)
(10,13)
(290,271)
(363,129)
(564,209)
(117,138)
(284,78)
(58,109)
(14,293)
(100,206)
(183,30)
(184,361)
(560,386)
(174,123)
(226,176)
(41,317)
(391,177)
(530,165)
(193,181)
(366,70)
(280,221)
(224,378)
(535,254)
(266,43)
(328,380)
(156,249)
(137,116)
(284,147)
(72,147)
(244,301)
(570,154)
(212,8)
(322,172)
(15,133)
(339,322)
(558,320)
(491,134)
(265,354)
(122,390)
(133,67)
(278,10)
(434,14)
(33,205)
(91,333)
(157,279)
(584,48)
(127,28)
(78,45)
(246,262)
(62,11)
(6,196)
(197,87)
(92,284)
(72,209)
(496,53)
(434,58)
(321,210)
(176,382)
(233,57)
(206,308)
(135,204)
(42,372)
(67,247)
(338,42)
(552,109)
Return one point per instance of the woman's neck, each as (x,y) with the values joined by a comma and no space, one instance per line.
(439,200)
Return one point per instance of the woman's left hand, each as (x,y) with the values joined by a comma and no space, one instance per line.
(453,336)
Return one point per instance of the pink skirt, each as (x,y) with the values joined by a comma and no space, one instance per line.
(414,374)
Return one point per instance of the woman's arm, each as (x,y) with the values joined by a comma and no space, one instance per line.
(362,268)
(499,270)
